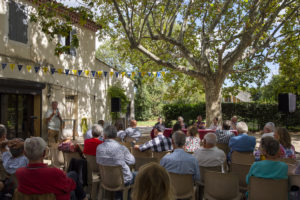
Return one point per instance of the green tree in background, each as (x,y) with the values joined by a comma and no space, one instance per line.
(206,40)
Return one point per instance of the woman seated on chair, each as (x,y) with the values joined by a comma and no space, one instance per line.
(269,168)
(151,183)
(192,142)
(287,150)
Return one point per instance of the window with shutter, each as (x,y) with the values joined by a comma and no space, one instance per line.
(67,41)
(18,23)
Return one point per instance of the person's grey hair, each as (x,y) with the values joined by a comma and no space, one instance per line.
(97,130)
(181,118)
(270,126)
(110,131)
(210,138)
(3,130)
(34,148)
(242,127)
(179,138)
(270,145)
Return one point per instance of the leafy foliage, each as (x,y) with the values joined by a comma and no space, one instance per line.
(249,112)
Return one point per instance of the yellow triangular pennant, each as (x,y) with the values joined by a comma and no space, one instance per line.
(154,74)
(111,74)
(45,69)
(100,73)
(163,74)
(143,74)
(28,68)
(123,74)
(87,72)
(12,66)
(60,71)
(133,74)
(74,71)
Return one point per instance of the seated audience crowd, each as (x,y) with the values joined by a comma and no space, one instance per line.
(22,166)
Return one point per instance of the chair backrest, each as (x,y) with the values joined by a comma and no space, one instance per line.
(241,171)
(92,164)
(221,186)
(144,154)
(128,139)
(203,170)
(242,157)
(288,161)
(3,173)
(268,189)
(140,161)
(68,157)
(111,177)
(183,185)
(20,196)
(294,180)
(159,155)
(223,147)
(127,144)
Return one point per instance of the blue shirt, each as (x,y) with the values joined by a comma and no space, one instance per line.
(242,143)
(11,164)
(180,162)
(268,169)
(113,153)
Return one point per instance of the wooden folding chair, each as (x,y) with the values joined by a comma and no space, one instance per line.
(220,186)
(294,180)
(268,189)
(20,196)
(183,186)
(93,176)
(112,180)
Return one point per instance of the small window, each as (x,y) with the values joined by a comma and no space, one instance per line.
(18,23)
(66,41)
(70,98)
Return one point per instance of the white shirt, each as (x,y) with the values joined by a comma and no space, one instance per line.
(54,123)
(267,134)
(210,157)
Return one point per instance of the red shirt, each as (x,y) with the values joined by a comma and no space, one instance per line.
(90,146)
(41,179)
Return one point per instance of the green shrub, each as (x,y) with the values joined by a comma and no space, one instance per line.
(257,114)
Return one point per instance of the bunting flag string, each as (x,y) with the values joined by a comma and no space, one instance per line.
(85,73)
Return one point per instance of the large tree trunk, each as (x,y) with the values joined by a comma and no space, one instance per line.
(213,97)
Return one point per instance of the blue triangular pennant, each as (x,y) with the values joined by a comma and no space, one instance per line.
(149,73)
(79,72)
(129,74)
(93,73)
(52,70)
(117,74)
(67,71)
(36,69)
(20,67)
(140,74)
(105,74)
(158,74)
(4,65)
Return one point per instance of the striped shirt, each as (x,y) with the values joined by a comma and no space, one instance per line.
(223,136)
(158,144)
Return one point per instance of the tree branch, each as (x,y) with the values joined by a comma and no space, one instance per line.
(185,20)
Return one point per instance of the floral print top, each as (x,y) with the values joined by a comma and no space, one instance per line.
(192,144)
(287,152)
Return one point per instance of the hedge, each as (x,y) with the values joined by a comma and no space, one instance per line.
(255,113)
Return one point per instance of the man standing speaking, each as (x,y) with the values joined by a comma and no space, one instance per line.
(54,123)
